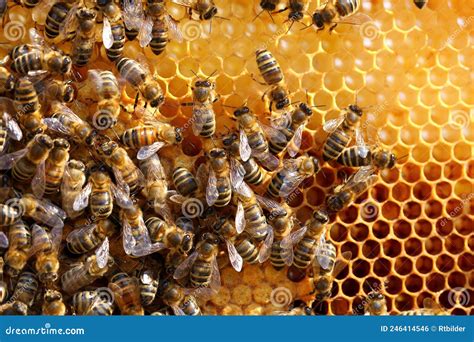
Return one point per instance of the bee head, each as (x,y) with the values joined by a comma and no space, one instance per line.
(321,216)
(156,102)
(69,93)
(306,109)
(66,65)
(241,111)
(217,153)
(296,15)
(61,143)
(356,109)
(318,20)
(267,5)
(229,139)
(177,135)
(52,295)
(209,14)
(44,140)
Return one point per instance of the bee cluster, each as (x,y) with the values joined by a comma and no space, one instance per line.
(103,211)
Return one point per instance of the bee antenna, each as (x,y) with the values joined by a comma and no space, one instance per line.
(219,17)
(404,156)
(113,130)
(257,15)
(306,26)
(194,73)
(291,25)
(211,74)
(271,16)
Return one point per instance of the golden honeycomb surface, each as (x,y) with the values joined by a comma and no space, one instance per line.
(413,71)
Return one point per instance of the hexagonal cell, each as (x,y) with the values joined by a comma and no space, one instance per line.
(391,210)
(401,192)
(454,244)
(457,279)
(452,170)
(411,172)
(443,189)
(349,215)
(433,209)
(338,232)
(432,171)
(402,229)
(435,282)
(433,245)
(350,287)
(403,266)
(422,191)
(380,229)
(414,283)
(393,285)
(379,193)
(423,228)
(413,246)
(360,268)
(359,232)
(412,210)
(350,247)
(340,306)
(392,248)
(371,249)
(424,264)
(466,262)
(382,267)
(445,263)
(463,225)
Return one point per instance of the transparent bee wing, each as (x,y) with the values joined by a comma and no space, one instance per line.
(215,277)
(146,277)
(212,194)
(82,199)
(38,184)
(234,257)
(268,160)
(287,254)
(102,253)
(147,151)
(271,205)
(363,173)
(240,218)
(145,249)
(295,142)
(121,197)
(107,36)
(430,304)
(331,125)
(94,76)
(281,121)
(177,310)
(121,184)
(266,248)
(56,125)
(273,134)
(202,174)
(199,117)
(363,149)
(341,263)
(183,269)
(356,19)
(237,173)
(86,230)
(8,160)
(4,243)
(186,3)
(154,169)
(40,240)
(35,37)
(175,32)
(323,254)
(244,190)
(293,238)
(50,208)
(69,23)
(14,130)
(244,147)
(132,14)
(144,35)
(290,184)
(127,238)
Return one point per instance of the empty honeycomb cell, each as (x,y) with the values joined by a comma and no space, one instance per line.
(358,306)
(390,176)
(423,228)
(451,133)
(452,170)
(446,299)
(403,265)
(443,189)
(430,133)
(321,309)
(438,77)
(360,268)
(382,267)
(414,283)
(295,199)
(444,226)
(403,302)
(435,282)
(409,135)
(459,312)
(311,82)
(462,151)
(332,80)
(352,248)
(315,196)
(224,85)
(402,229)
(393,284)
(385,60)
(464,225)
(444,262)
(454,207)
(433,245)
(390,210)
(325,177)
(350,287)
(465,97)
(421,153)
(371,249)
(463,188)
(338,232)
(422,191)
(441,152)
(391,248)
(413,246)
(433,209)
(359,232)
(424,264)
(411,172)
(457,279)
(401,192)
(340,306)
(432,171)
(380,229)
(454,244)
(304,213)
(466,262)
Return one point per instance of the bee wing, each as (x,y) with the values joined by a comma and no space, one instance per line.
(331,125)
(144,35)
(356,19)
(7,160)
(234,257)
(244,190)
(82,199)
(175,32)
(69,23)
(237,173)
(38,236)
(341,263)
(211,191)
(240,218)
(322,255)
(430,304)
(295,142)
(121,197)
(95,79)
(290,184)
(127,239)
(270,205)
(107,36)
(363,173)
(56,125)
(3,240)
(185,3)
(38,184)
(293,238)
(199,117)
(86,230)
(102,253)
(281,121)
(363,149)
(183,269)
(132,14)
(154,169)
(266,248)
(50,208)
(121,184)
(177,198)
(14,130)
(147,151)
(268,160)
(35,37)
(244,147)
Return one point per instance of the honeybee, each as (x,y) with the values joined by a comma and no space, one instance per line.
(16,256)
(252,140)
(202,265)
(375,159)
(184,182)
(176,298)
(38,58)
(326,268)
(66,122)
(340,132)
(151,138)
(7,80)
(222,178)
(225,229)
(15,308)
(108,106)
(430,308)
(290,176)
(100,192)
(127,175)
(338,11)
(204,9)
(29,161)
(203,118)
(148,287)
(136,238)
(90,303)
(8,215)
(8,129)
(141,79)
(3,284)
(26,288)
(268,6)
(273,77)
(305,241)
(247,248)
(83,45)
(169,234)
(375,305)
(420,3)
(42,211)
(46,247)
(88,237)
(53,303)
(58,16)
(73,180)
(85,273)
(28,107)
(127,294)
(296,10)
(113,31)
(62,91)
(345,193)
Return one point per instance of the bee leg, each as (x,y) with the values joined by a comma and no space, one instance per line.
(253,78)
(136,101)
(332,27)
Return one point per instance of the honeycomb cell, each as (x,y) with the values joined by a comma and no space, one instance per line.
(466,262)
(315,196)
(371,249)
(443,189)
(414,283)
(349,215)
(456,279)
(402,229)
(393,285)
(424,264)
(423,228)
(380,193)
(435,282)
(421,153)
(454,244)
(430,133)
(338,232)
(403,265)
(441,152)
(403,302)
(432,171)
(390,210)
(411,172)
(463,225)
(390,176)
(350,287)
(462,151)
(360,268)
(422,191)
(392,248)
(352,248)
(401,192)
(340,306)
(433,209)
(453,170)
(433,245)
(413,246)
(380,229)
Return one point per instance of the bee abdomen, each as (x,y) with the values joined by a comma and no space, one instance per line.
(225,193)
(30,3)
(118,33)
(269,67)
(335,144)
(275,185)
(139,137)
(351,157)
(247,251)
(82,52)
(347,7)
(56,16)
(101,204)
(201,273)
(253,173)
(131,33)
(304,253)
(276,256)
(159,39)
(8,215)
(131,71)
(184,181)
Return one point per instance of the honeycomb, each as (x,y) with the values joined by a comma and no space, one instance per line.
(411,235)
